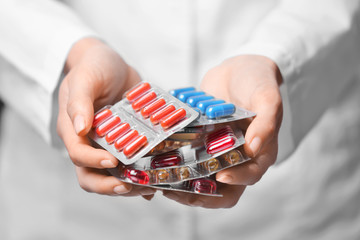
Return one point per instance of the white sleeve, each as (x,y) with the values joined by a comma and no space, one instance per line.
(316,44)
(35,38)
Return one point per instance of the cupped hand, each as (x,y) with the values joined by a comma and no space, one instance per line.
(95,76)
(251,82)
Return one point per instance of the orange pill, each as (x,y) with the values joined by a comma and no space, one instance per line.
(143,101)
(173,118)
(156,117)
(122,141)
(106,126)
(137,91)
(135,145)
(101,116)
(152,107)
(117,132)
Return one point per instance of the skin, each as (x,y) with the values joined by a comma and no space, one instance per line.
(251,82)
(94,70)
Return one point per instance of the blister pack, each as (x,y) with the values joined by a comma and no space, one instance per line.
(216,153)
(203,186)
(167,145)
(181,165)
(206,145)
(212,111)
(139,122)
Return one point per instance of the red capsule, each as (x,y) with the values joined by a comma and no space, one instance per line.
(220,144)
(137,91)
(143,101)
(204,186)
(166,160)
(106,126)
(117,132)
(137,176)
(218,133)
(156,117)
(173,118)
(101,116)
(135,145)
(125,139)
(152,107)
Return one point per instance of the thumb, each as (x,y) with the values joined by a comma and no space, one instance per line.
(266,124)
(80,102)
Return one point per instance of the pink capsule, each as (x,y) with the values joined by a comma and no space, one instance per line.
(117,132)
(137,176)
(168,159)
(220,144)
(101,116)
(218,133)
(106,126)
(203,186)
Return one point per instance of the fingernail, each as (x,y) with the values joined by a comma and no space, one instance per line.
(197,203)
(79,124)
(172,196)
(121,189)
(255,145)
(147,191)
(107,164)
(225,179)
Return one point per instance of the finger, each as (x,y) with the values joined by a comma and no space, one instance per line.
(83,88)
(80,151)
(231,195)
(99,181)
(265,126)
(145,192)
(93,180)
(250,172)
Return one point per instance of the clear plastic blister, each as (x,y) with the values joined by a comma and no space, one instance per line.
(136,124)
(212,111)
(203,186)
(188,162)
(187,167)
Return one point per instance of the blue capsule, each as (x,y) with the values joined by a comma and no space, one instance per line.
(192,101)
(185,95)
(220,110)
(203,105)
(176,92)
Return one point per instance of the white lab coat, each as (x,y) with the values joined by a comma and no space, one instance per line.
(311,193)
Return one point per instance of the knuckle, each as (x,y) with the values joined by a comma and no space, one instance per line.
(101,187)
(74,157)
(83,185)
(271,96)
(271,128)
(72,106)
(255,180)
(256,174)
(232,203)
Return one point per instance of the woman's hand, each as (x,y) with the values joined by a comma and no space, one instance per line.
(95,76)
(251,82)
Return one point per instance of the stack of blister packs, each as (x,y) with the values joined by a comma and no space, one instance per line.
(172,141)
